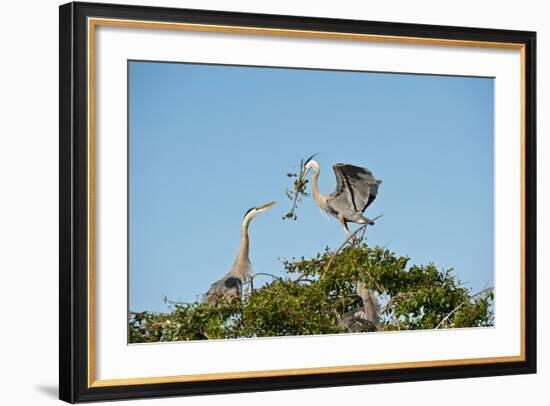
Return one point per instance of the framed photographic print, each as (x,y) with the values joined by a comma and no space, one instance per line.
(254,202)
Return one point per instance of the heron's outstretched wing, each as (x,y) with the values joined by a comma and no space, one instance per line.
(358,184)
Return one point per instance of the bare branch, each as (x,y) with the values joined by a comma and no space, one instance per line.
(298,192)
(364,226)
(460,305)
(174,302)
(351,236)
(266,274)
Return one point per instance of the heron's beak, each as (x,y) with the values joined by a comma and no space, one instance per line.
(266,206)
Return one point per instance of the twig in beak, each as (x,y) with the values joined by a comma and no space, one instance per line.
(299,191)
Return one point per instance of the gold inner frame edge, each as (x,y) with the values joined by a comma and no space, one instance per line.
(93,22)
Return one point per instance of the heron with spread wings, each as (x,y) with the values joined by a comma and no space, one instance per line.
(229,287)
(356,189)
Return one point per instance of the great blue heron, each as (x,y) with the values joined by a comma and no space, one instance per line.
(366,318)
(356,188)
(229,286)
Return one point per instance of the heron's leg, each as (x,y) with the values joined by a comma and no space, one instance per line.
(344,225)
(365,220)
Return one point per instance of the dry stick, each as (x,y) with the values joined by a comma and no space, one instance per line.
(166,300)
(251,281)
(459,306)
(296,193)
(266,274)
(362,234)
(342,246)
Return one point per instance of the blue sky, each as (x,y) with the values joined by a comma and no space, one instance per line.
(208,142)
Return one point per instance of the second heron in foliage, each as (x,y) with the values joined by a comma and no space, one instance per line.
(356,189)
(229,287)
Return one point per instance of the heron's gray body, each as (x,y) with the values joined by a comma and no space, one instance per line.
(367,317)
(356,189)
(229,287)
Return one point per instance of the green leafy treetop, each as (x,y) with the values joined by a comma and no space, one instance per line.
(317,295)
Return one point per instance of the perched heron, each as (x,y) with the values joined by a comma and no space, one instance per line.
(356,188)
(229,286)
(366,318)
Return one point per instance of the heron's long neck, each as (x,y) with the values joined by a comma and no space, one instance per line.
(242,255)
(318,197)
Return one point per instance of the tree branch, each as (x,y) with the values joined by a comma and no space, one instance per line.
(460,305)
(363,227)
(340,248)
(166,300)
(297,194)
(266,274)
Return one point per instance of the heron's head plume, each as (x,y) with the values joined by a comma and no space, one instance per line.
(307,162)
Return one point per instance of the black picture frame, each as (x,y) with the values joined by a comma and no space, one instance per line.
(74,199)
